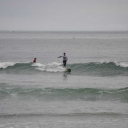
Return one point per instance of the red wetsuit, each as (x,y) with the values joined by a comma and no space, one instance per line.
(34,61)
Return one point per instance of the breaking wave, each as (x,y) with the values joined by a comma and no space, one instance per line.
(91,68)
(12,67)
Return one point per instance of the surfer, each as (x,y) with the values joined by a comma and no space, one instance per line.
(34,61)
(65,59)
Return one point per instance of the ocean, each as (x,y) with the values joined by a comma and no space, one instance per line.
(43,95)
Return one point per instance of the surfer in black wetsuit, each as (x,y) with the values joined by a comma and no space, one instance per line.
(64,59)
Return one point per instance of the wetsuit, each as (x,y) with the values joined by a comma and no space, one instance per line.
(64,60)
(34,61)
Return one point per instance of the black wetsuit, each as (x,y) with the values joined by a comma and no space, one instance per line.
(64,60)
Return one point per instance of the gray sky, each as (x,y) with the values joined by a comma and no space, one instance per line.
(72,15)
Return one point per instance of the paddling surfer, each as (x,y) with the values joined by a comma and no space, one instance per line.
(65,59)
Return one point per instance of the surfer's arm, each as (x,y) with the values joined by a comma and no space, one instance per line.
(59,56)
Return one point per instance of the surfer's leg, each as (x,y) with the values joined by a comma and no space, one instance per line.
(64,63)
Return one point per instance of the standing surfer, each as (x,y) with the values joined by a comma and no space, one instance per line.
(65,59)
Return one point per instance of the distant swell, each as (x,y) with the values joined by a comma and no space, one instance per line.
(59,114)
(87,94)
(91,68)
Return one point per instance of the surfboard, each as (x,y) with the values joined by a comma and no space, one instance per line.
(68,69)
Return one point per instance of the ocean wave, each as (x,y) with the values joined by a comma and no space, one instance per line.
(16,67)
(87,94)
(4,65)
(91,68)
(100,68)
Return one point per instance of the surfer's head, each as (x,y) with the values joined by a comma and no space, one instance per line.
(64,53)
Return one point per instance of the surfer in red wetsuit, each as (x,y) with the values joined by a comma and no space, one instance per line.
(34,61)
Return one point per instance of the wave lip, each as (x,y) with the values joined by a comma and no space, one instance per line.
(4,65)
(16,67)
(122,64)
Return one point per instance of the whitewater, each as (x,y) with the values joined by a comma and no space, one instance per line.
(42,94)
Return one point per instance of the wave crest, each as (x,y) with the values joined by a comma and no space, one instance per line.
(16,67)
(91,68)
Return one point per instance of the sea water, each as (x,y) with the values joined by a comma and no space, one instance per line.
(42,94)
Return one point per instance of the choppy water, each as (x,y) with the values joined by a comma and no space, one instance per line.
(43,94)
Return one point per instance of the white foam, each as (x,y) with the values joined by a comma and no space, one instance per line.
(50,67)
(54,64)
(41,68)
(6,64)
(104,61)
(56,69)
(38,64)
(122,64)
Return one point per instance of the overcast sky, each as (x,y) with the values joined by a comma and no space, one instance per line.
(59,15)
